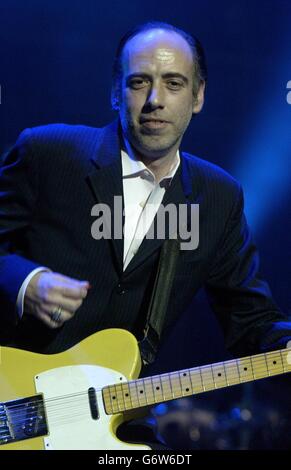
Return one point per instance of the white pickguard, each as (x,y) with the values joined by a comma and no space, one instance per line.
(70,424)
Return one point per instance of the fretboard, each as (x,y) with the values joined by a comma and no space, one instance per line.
(160,388)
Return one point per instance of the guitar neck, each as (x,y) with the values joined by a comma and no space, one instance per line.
(160,388)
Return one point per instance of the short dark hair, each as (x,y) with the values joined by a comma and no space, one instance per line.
(199,62)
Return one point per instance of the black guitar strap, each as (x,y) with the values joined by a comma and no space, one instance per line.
(159,300)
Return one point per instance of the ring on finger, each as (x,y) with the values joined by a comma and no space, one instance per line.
(56,315)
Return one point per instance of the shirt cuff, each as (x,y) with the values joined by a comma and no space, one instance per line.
(22,290)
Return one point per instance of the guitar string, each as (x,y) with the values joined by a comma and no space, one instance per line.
(60,419)
(62,413)
(54,407)
(72,418)
(205,382)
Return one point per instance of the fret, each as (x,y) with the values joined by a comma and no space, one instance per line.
(267,368)
(171,386)
(201,378)
(253,374)
(158,390)
(213,378)
(154,396)
(246,369)
(225,372)
(259,366)
(190,378)
(286,359)
(176,385)
(149,390)
(119,397)
(196,379)
(126,396)
(219,375)
(106,400)
(232,372)
(207,378)
(109,398)
(178,373)
(167,387)
(141,393)
(283,360)
(274,363)
(133,393)
(186,384)
(114,398)
(238,371)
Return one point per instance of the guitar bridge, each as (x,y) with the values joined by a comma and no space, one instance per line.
(22,419)
(5,431)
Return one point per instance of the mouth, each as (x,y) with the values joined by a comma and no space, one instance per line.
(154,123)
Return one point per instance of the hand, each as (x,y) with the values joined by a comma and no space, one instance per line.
(54,298)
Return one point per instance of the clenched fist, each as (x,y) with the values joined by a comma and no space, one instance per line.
(54,298)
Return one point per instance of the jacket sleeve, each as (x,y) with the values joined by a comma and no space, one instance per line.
(251,320)
(18,201)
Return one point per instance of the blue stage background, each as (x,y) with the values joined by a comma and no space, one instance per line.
(55,66)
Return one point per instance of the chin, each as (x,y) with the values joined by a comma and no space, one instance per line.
(156,146)
(153,152)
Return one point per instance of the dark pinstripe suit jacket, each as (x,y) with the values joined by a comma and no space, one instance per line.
(48,184)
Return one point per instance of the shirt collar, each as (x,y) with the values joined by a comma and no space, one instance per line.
(133,168)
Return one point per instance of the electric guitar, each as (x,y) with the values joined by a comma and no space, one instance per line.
(78,398)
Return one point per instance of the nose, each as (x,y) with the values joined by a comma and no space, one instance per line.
(156,97)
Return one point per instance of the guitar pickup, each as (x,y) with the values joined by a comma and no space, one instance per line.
(93,403)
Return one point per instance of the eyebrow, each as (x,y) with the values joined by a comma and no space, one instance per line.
(165,75)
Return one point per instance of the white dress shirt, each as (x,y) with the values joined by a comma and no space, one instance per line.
(143,195)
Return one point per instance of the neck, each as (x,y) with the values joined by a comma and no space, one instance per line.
(160,165)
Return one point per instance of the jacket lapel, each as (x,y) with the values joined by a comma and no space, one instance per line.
(106,183)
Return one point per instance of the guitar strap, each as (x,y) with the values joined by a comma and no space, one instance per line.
(159,300)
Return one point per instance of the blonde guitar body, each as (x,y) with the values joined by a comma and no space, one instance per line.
(108,357)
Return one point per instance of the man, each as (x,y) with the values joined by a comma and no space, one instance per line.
(58,283)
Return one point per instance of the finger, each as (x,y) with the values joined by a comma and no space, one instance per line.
(44,312)
(47,320)
(72,290)
(69,281)
(64,316)
(60,320)
(56,300)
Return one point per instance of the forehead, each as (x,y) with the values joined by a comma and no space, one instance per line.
(157,48)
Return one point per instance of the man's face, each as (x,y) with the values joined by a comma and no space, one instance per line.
(156,99)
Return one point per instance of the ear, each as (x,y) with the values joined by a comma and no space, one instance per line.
(199,100)
(114,100)
(115,104)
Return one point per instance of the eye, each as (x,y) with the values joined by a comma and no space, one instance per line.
(174,84)
(137,83)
